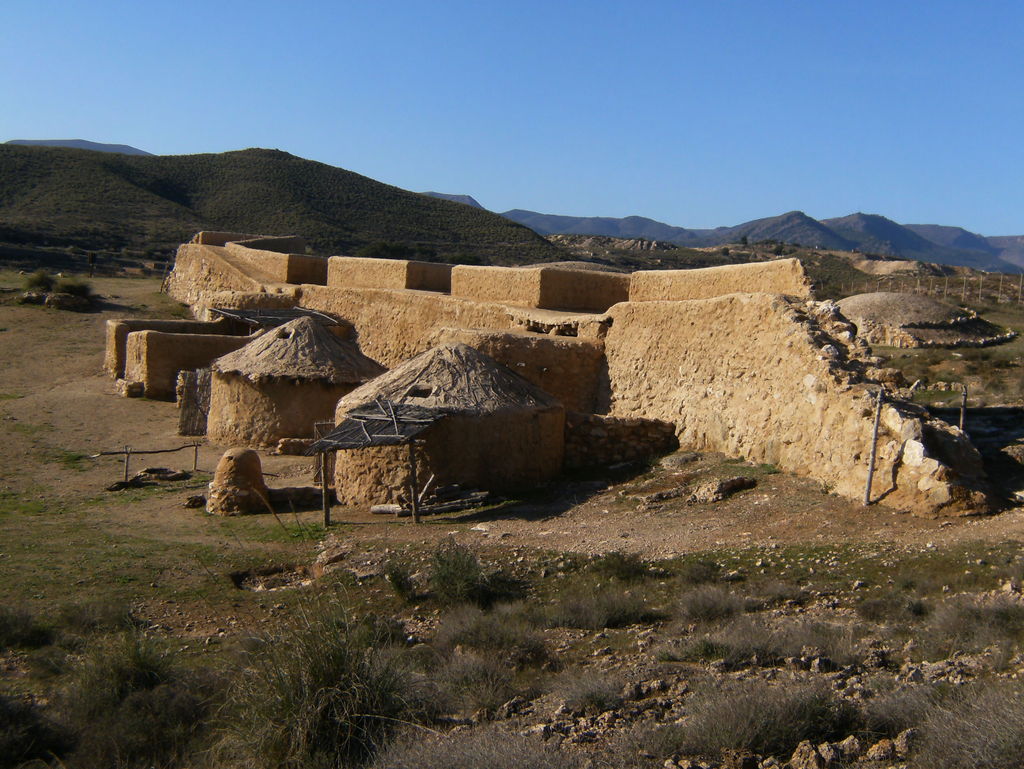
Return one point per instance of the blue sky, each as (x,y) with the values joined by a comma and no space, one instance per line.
(699,114)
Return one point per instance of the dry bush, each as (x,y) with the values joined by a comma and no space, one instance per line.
(980,728)
(774,593)
(321,694)
(471,682)
(20,629)
(456,576)
(892,606)
(73,286)
(399,576)
(604,607)
(700,572)
(589,690)
(625,567)
(95,616)
(129,702)
(763,718)
(709,603)
(475,749)
(889,713)
(40,280)
(26,735)
(970,624)
(503,630)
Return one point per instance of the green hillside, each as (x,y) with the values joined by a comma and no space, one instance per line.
(102,201)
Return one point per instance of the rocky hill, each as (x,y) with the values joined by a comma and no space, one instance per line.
(80,144)
(106,201)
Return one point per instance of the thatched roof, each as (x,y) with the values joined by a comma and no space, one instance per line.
(454,379)
(300,349)
(894,309)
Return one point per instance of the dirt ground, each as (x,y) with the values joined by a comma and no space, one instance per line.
(64,538)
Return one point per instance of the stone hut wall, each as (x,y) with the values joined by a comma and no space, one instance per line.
(570,369)
(593,440)
(259,414)
(502,452)
(393,326)
(118,330)
(751,375)
(154,358)
(581,290)
(781,276)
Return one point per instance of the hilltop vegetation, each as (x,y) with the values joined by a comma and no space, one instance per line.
(103,201)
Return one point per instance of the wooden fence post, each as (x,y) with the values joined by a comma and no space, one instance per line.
(414,501)
(127,460)
(963,408)
(874,448)
(325,494)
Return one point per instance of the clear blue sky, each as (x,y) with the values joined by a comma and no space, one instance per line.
(699,114)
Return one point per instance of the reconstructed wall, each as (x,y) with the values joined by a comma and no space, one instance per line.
(593,440)
(359,272)
(284,244)
(200,270)
(213,238)
(506,452)
(569,369)
(155,357)
(277,267)
(259,414)
(751,375)
(550,288)
(393,326)
(118,330)
(782,276)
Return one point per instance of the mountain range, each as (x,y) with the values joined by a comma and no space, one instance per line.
(108,201)
(80,144)
(869,233)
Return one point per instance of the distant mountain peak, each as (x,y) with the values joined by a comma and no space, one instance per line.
(80,144)
(468,200)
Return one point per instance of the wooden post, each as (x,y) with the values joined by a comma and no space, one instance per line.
(1020,287)
(963,293)
(963,408)
(945,287)
(999,296)
(325,494)
(127,461)
(874,448)
(981,283)
(414,501)
(195,456)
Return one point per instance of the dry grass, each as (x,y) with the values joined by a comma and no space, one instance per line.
(478,749)
(504,631)
(980,728)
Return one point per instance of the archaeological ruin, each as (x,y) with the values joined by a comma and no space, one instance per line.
(738,359)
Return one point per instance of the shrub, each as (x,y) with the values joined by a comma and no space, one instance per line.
(399,576)
(40,280)
(25,735)
(595,609)
(699,572)
(625,567)
(318,695)
(980,728)
(95,616)
(763,718)
(503,630)
(892,606)
(20,629)
(475,749)
(889,713)
(73,286)
(970,624)
(709,603)
(456,576)
(472,682)
(130,703)
(589,690)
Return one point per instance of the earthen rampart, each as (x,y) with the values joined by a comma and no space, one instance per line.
(549,288)
(362,272)
(781,276)
(752,376)
(154,358)
(200,270)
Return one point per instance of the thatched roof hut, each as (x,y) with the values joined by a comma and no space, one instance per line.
(282,382)
(500,431)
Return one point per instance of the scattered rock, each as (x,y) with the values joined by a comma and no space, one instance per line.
(806,756)
(716,491)
(883,750)
(70,302)
(195,502)
(32,297)
(905,742)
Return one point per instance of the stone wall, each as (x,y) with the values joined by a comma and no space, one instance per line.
(569,369)
(200,270)
(154,358)
(212,238)
(118,330)
(754,376)
(781,276)
(283,244)
(592,440)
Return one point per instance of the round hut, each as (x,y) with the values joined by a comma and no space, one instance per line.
(283,382)
(499,432)
(912,320)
